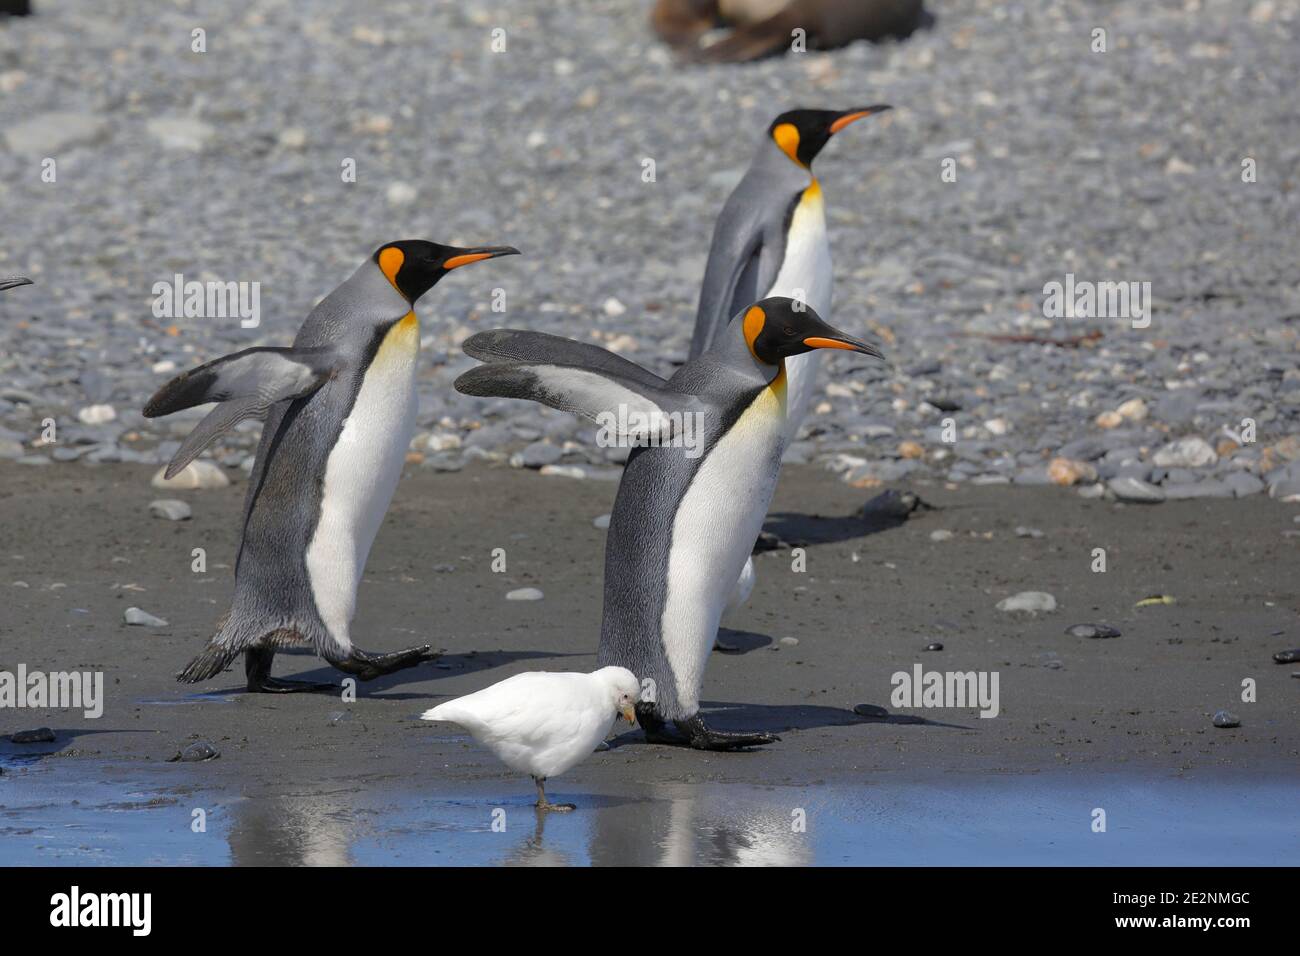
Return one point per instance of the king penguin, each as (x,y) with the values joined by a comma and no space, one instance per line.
(683,523)
(771,240)
(339,409)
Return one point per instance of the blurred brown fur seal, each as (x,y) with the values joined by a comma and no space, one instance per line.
(764,27)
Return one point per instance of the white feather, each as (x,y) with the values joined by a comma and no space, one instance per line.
(542,723)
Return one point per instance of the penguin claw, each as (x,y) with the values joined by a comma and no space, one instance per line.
(724,742)
(698,735)
(366,666)
(701,737)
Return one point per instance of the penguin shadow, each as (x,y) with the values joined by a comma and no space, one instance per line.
(779,718)
(440,667)
(790,529)
(444,666)
(783,718)
(16,754)
(732,641)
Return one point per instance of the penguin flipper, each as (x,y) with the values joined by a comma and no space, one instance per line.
(217,422)
(636,410)
(246,384)
(541,348)
(745,256)
(269,374)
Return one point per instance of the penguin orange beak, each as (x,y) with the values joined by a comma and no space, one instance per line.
(843,342)
(13,282)
(852,116)
(467,256)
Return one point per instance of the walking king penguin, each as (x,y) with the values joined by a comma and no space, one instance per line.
(687,513)
(770,240)
(339,409)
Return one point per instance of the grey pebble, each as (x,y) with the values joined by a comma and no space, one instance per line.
(1223,718)
(536,455)
(41,735)
(197,752)
(1094,631)
(1286,657)
(934,646)
(524,594)
(1128,488)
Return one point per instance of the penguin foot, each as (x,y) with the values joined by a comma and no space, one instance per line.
(275,685)
(700,736)
(367,666)
(258,679)
(656,730)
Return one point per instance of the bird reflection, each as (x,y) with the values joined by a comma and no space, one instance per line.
(690,826)
(534,852)
(304,829)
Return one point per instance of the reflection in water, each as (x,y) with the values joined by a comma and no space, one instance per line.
(313,829)
(690,825)
(534,851)
(123,814)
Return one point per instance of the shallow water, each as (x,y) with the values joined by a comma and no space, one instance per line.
(59,811)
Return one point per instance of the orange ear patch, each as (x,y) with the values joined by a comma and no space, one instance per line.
(787,138)
(390,261)
(752,326)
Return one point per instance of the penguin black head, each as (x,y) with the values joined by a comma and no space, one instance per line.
(13,282)
(779,327)
(414,266)
(801,134)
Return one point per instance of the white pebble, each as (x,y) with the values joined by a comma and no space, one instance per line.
(97,414)
(171,509)
(197,474)
(401,194)
(1032,601)
(141,618)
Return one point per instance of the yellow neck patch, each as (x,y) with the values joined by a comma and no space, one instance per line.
(390,261)
(787,139)
(752,326)
(401,341)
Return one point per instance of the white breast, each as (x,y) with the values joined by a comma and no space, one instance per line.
(360,476)
(805,274)
(713,534)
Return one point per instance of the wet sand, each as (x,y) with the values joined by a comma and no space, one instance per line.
(870,601)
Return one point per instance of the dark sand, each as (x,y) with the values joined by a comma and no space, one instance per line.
(866,608)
